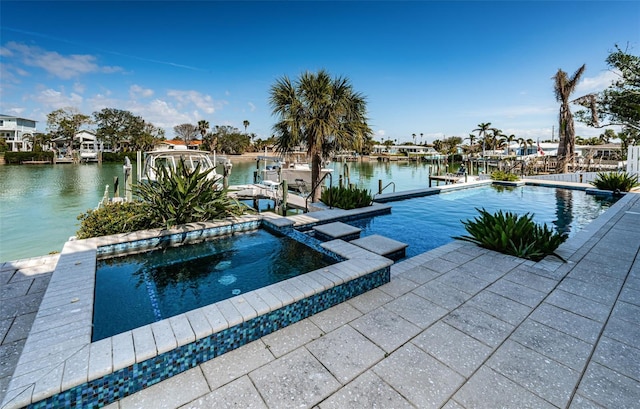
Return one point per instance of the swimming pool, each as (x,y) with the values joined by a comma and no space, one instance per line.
(428,222)
(138,289)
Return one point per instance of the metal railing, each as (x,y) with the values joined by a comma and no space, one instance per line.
(381,189)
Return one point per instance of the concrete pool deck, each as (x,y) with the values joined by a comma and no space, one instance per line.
(457,327)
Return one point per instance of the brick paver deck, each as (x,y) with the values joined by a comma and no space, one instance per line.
(457,327)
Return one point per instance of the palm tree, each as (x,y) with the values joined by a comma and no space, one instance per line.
(563,88)
(508,140)
(325,113)
(482,133)
(421,134)
(524,143)
(246,125)
(414,138)
(203,127)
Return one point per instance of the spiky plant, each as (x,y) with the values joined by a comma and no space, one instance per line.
(186,196)
(512,234)
(615,181)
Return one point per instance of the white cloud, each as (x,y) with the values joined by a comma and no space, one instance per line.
(380,133)
(597,83)
(61,66)
(79,87)
(136,91)
(185,98)
(252,106)
(58,99)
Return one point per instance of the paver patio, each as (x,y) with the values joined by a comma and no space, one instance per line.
(457,327)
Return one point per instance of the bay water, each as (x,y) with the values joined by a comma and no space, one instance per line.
(39,204)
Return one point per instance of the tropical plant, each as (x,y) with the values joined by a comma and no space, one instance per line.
(246,124)
(508,140)
(482,133)
(346,197)
(563,88)
(512,234)
(504,176)
(324,114)
(615,181)
(203,127)
(114,218)
(186,196)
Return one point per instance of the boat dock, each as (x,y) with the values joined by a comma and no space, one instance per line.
(268,190)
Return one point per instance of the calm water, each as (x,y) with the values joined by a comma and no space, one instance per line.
(136,290)
(39,205)
(434,220)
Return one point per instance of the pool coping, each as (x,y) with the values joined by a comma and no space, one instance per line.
(59,361)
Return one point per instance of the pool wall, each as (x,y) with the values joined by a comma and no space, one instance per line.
(61,367)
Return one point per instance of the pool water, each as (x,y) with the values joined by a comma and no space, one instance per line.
(136,290)
(429,222)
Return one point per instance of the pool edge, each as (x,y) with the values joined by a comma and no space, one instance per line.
(74,366)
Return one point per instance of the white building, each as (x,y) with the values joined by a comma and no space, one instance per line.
(17,132)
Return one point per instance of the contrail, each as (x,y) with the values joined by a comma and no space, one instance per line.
(42,35)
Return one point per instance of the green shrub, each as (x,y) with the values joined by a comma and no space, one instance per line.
(186,196)
(511,234)
(504,176)
(118,157)
(346,198)
(114,218)
(613,181)
(15,158)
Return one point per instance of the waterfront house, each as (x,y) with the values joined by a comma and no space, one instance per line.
(17,132)
(173,143)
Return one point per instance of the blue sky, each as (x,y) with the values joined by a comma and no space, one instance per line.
(436,68)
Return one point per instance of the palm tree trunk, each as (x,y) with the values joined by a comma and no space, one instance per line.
(316,168)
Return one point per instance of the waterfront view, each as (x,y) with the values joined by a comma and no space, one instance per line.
(40,204)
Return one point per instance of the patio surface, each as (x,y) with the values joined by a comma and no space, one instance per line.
(457,327)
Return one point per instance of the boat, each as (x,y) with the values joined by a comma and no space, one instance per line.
(169,159)
(296,174)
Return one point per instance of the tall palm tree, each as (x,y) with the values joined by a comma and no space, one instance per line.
(203,127)
(414,138)
(421,134)
(563,88)
(523,144)
(482,129)
(323,112)
(508,140)
(246,125)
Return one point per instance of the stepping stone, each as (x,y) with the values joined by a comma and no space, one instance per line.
(336,230)
(383,246)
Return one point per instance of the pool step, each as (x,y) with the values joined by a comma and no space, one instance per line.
(382,246)
(336,230)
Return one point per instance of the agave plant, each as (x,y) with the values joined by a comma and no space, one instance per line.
(512,234)
(186,196)
(620,181)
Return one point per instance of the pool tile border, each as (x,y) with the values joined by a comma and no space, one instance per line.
(72,370)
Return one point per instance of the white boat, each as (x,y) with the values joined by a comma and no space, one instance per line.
(169,159)
(297,174)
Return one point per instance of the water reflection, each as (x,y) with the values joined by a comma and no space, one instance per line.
(564,210)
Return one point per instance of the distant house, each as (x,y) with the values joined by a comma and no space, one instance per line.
(179,144)
(17,132)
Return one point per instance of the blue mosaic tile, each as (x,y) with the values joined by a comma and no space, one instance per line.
(126,381)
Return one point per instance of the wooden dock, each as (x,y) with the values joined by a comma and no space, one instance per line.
(449,178)
(270,192)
